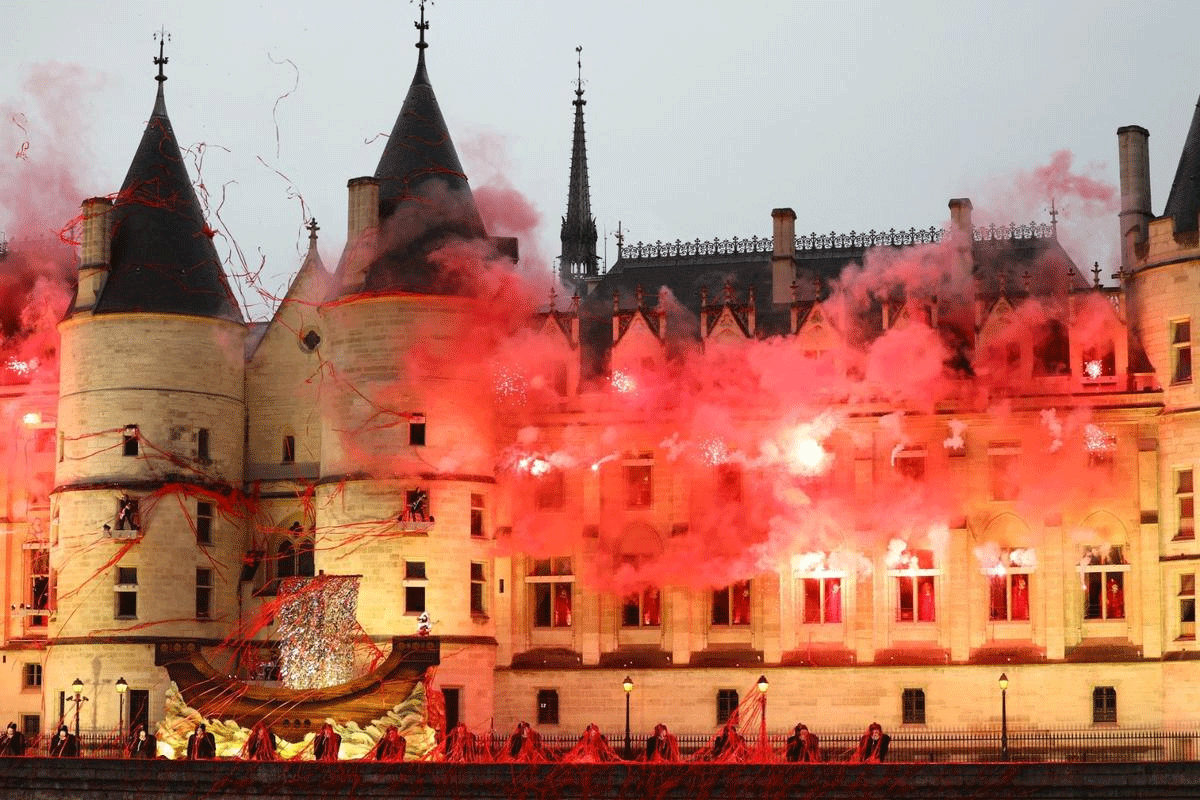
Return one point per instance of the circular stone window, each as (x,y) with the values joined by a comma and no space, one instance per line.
(310,340)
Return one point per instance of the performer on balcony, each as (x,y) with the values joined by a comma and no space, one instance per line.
(260,746)
(201,744)
(802,746)
(525,745)
(391,747)
(12,742)
(143,744)
(592,748)
(873,746)
(326,744)
(65,744)
(662,746)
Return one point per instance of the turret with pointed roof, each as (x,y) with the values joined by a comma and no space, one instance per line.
(162,258)
(425,201)
(1184,201)
(578,257)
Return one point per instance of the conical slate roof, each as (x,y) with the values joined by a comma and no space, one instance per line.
(163,260)
(425,201)
(1184,201)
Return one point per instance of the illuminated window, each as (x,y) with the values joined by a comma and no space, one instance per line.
(416,506)
(31,676)
(204,588)
(727,704)
(1003,465)
(552,591)
(289,449)
(39,583)
(910,463)
(416,430)
(642,608)
(1185,508)
(729,483)
(1009,586)
(204,522)
(478,585)
(1104,704)
(1187,606)
(549,494)
(126,593)
(912,706)
(128,515)
(821,600)
(731,605)
(1181,351)
(1103,569)
(1051,350)
(639,485)
(129,440)
(916,587)
(477,528)
(547,706)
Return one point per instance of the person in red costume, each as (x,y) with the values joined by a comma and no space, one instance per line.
(873,746)
(925,604)
(562,608)
(463,746)
(326,744)
(592,748)
(260,745)
(525,745)
(1116,599)
(741,603)
(1020,598)
(391,747)
(662,746)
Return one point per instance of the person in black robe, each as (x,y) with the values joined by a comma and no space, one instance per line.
(12,743)
(65,744)
(391,747)
(873,746)
(327,744)
(261,744)
(802,746)
(143,744)
(201,744)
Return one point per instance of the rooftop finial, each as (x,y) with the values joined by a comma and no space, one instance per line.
(163,37)
(1053,218)
(313,227)
(422,26)
(579,70)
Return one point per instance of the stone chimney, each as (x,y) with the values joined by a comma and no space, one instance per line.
(1133,143)
(95,250)
(783,255)
(362,222)
(962,230)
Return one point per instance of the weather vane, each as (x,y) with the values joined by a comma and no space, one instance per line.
(162,37)
(422,26)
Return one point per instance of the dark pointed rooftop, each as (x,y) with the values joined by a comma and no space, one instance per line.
(1184,201)
(163,260)
(425,200)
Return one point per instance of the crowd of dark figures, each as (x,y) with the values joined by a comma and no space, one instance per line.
(461,745)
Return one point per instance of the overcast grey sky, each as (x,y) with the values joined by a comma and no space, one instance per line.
(701,116)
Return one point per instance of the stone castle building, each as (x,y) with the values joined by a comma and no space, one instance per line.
(189,460)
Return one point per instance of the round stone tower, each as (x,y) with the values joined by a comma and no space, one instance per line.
(146,518)
(407,490)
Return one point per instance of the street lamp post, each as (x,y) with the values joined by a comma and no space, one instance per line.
(762,731)
(77,688)
(1003,717)
(122,687)
(627,685)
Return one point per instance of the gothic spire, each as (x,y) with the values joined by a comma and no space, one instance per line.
(578,257)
